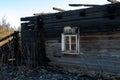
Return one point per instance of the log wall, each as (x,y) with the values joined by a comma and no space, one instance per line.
(98,52)
(99,37)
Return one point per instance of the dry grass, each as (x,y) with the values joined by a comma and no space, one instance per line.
(4,33)
(5,41)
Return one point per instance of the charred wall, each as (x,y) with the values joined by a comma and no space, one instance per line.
(98,52)
(99,37)
(32,37)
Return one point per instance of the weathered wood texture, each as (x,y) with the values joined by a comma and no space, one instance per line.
(99,40)
(103,43)
(98,52)
(6,37)
(82,16)
(32,37)
(11,50)
(96,19)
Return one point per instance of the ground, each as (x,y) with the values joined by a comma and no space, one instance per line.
(41,73)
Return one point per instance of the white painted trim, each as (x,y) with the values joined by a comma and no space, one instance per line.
(63,44)
(69,52)
(76,43)
(79,40)
(70,42)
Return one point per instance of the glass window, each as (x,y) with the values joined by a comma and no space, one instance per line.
(69,43)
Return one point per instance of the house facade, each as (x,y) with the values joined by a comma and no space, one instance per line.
(85,39)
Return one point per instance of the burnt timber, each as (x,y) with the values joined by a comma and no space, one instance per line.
(98,34)
(10,49)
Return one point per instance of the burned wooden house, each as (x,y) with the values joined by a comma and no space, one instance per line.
(85,39)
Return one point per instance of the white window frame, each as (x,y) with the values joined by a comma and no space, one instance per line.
(63,44)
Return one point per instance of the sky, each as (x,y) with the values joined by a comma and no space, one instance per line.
(13,10)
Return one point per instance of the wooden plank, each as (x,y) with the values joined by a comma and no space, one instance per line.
(83,30)
(96,12)
(30,35)
(84,23)
(76,12)
(23,26)
(2,43)
(72,17)
(8,36)
(92,64)
(32,18)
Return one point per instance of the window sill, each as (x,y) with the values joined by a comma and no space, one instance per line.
(69,52)
(73,55)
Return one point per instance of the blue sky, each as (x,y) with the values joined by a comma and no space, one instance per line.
(13,10)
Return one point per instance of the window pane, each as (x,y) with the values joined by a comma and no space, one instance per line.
(73,39)
(66,39)
(66,46)
(73,42)
(73,46)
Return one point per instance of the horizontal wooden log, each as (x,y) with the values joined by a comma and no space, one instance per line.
(32,18)
(89,22)
(8,36)
(91,63)
(27,26)
(83,30)
(96,12)
(94,19)
(88,11)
